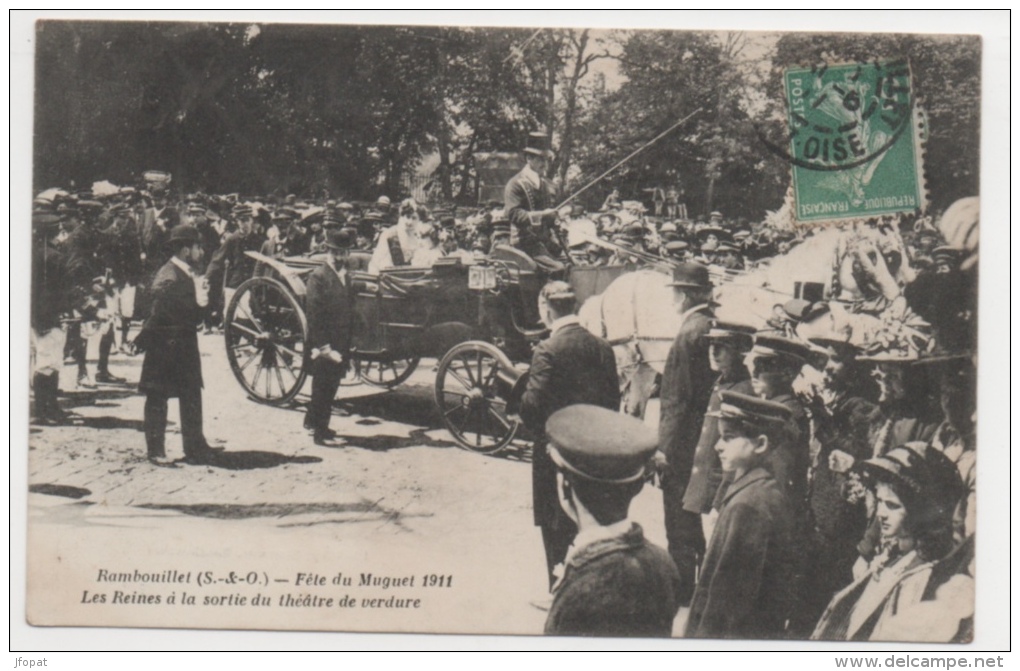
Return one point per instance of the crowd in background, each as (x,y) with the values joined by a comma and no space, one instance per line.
(873,450)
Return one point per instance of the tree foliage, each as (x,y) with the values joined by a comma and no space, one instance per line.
(303,108)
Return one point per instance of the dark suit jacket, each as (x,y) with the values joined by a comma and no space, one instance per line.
(329,306)
(747,587)
(172,363)
(622,586)
(687,382)
(229,264)
(573,366)
(521,197)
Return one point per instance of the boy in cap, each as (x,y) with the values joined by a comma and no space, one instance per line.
(774,362)
(748,586)
(728,343)
(614,582)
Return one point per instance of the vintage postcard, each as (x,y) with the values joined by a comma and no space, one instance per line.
(504,331)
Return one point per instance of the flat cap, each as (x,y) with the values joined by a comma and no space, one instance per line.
(772,345)
(741,335)
(599,444)
(747,408)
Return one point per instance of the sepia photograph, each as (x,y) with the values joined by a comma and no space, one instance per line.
(494,330)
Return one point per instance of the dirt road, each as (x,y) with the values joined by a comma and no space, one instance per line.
(399,499)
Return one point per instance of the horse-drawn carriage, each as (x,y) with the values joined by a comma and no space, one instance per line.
(479,320)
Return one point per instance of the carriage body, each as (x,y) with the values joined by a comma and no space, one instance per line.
(479,320)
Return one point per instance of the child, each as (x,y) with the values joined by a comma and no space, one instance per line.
(747,585)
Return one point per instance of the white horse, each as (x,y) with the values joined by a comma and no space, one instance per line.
(636,313)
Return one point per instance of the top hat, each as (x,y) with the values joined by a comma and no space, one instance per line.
(538,145)
(691,275)
(599,444)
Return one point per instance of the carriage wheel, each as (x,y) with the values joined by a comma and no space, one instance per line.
(386,374)
(265,330)
(471,387)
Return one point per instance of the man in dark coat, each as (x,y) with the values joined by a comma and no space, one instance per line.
(172,365)
(528,200)
(329,305)
(748,588)
(615,583)
(687,382)
(571,366)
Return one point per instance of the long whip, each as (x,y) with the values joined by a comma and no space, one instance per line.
(627,158)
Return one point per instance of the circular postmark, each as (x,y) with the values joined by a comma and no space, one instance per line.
(844,116)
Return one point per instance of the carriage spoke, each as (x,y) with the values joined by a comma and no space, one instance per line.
(251,318)
(455,393)
(478,358)
(245,329)
(502,420)
(287,350)
(466,366)
(491,377)
(452,410)
(254,355)
(258,374)
(279,380)
(287,367)
(457,376)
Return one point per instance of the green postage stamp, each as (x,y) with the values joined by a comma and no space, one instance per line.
(855,141)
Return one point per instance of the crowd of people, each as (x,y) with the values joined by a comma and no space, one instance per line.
(813,485)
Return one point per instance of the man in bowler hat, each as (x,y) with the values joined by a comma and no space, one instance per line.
(571,366)
(172,366)
(329,305)
(687,382)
